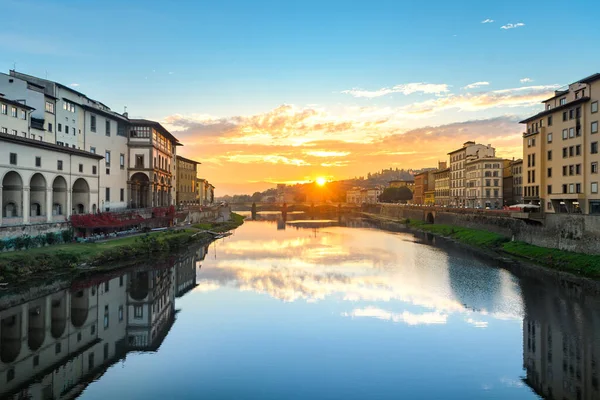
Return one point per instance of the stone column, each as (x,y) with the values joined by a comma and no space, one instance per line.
(26,205)
(49,204)
(69,203)
(1,206)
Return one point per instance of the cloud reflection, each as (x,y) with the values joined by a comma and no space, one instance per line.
(406,316)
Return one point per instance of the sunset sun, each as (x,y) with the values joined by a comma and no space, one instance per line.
(321,181)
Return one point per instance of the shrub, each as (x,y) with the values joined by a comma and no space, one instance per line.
(50,238)
(67,235)
(2,245)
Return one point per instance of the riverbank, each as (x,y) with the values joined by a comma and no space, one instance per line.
(579,264)
(77,258)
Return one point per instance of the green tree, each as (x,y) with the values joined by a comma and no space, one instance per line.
(395,194)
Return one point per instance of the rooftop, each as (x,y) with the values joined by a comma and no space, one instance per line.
(188,160)
(555,109)
(157,125)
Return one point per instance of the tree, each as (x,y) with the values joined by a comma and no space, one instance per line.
(257,196)
(395,194)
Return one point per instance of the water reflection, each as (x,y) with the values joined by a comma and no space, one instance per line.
(55,339)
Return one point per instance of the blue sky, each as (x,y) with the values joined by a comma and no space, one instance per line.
(238,58)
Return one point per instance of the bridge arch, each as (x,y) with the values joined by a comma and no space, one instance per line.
(430,217)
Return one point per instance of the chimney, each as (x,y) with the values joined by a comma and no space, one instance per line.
(125,114)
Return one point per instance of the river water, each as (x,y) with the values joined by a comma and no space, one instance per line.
(303,309)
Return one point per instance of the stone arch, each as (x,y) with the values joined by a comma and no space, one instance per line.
(79,307)
(140,190)
(10,337)
(139,286)
(81,196)
(37,196)
(36,325)
(58,321)
(12,195)
(430,218)
(59,196)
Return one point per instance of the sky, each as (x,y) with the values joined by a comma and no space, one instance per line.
(265,92)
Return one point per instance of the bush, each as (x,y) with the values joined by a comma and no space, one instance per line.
(2,245)
(50,238)
(67,235)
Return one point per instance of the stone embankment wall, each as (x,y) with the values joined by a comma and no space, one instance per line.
(8,232)
(579,233)
(215,214)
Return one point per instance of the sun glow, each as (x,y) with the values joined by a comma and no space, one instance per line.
(321,181)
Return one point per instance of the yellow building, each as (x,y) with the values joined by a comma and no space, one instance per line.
(186,181)
(441,179)
(560,151)
(403,183)
(429,198)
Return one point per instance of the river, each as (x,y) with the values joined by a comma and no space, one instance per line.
(304,309)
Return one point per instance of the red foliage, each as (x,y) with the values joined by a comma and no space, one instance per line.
(106,220)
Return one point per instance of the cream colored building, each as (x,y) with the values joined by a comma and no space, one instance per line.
(152,152)
(353,196)
(187,170)
(484,182)
(441,180)
(560,151)
(42,182)
(458,160)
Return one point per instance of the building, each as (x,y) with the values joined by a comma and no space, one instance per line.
(151,171)
(187,171)
(560,151)
(517,178)
(508,188)
(43,182)
(403,183)
(441,180)
(484,182)
(424,183)
(457,169)
(429,198)
(371,195)
(353,196)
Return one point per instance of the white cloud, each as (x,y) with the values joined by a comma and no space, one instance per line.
(406,89)
(324,153)
(74,84)
(477,324)
(526,80)
(476,85)
(406,317)
(512,26)
(487,21)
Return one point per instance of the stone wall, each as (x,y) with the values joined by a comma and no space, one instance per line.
(7,232)
(579,233)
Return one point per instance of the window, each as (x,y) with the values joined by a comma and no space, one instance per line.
(50,107)
(107,171)
(571,132)
(105,317)
(565,150)
(93,123)
(564,188)
(594,168)
(571,188)
(549,189)
(549,155)
(38,161)
(107,128)
(578,169)
(13,158)
(549,172)
(595,127)
(3,130)
(59,165)
(571,169)
(23,114)
(66,129)
(138,312)
(564,170)
(13,112)
(120,313)
(565,134)
(107,158)
(57,347)
(80,167)
(122,195)
(571,151)
(49,127)
(578,150)
(578,188)
(93,150)
(594,107)
(532,160)
(563,101)
(4,109)
(93,329)
(550,137)
(594,187)
(107,194)
(122,161)
(550,120)
(594,149)
(94,170)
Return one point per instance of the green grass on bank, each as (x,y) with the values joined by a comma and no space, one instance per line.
(235,221)
(577,263)
(473,237)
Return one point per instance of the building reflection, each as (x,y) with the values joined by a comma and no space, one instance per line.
(54,342)
(560,349)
